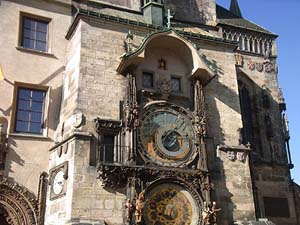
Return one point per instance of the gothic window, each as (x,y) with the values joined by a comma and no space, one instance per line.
(29,110)
(148,80)
(246,113)
(34,33)
(175,84)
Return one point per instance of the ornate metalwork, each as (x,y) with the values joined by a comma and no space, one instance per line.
(19,203)
(107,124)
(115,176)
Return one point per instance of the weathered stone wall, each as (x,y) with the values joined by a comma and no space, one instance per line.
(132,4)
(90,202)
(274,182)
(269,148)
(197,11)
(231,180)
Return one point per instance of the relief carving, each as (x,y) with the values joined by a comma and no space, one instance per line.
(200,124)
(131,108)
(19,203)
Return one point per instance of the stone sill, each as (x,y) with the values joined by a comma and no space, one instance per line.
(32,136)
(28,50)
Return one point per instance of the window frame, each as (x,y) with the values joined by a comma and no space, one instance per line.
(46,89)
(153,79)
(47,20)
(179,78)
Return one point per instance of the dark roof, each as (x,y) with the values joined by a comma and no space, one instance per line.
(235,8)
(227,17)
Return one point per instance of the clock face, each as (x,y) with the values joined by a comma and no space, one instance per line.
(166,136)
(170,204)
(58,182)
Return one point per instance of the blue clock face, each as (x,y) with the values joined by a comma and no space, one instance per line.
(166,136)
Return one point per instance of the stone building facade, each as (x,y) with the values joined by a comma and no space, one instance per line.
(141,112)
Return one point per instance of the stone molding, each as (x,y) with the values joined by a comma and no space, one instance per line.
(19,203)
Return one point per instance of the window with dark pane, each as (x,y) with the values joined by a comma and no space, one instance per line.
(108,153)
(147,80)
(29,114)
(175,84)
(276,207)
(34,34)
(246,113)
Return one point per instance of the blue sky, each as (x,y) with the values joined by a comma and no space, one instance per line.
(283,18)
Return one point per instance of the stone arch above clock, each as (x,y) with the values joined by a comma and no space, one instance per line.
(171,46)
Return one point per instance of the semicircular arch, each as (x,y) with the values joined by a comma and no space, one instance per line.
(18,202)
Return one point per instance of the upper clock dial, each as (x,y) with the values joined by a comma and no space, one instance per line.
(166,136)
(58,182)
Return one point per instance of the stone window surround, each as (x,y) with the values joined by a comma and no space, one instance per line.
(18,85)
(49,33)
(179,78)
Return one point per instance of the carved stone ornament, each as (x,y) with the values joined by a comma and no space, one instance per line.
(239,60)
(131,108)
(267,66)
(128,43)
(251,65)
(233,153)
(270,67)
(77,120)
(19,204)
(114,176)
(200,124)
(107,124)
(162,64)
(164,86)
(259,67)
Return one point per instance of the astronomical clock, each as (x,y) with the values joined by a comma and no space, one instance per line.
(166,136)
(164,172)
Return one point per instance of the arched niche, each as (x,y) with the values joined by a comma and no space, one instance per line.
(17,204)
(169,44)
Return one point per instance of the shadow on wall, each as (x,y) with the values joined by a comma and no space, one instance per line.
(55,100)
(262,127)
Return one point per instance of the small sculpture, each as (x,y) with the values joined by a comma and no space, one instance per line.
(130,209)
(206,213)
(128,45)
(214,215)
(139,207)
(162,64)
